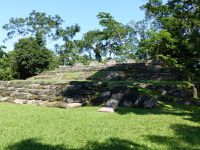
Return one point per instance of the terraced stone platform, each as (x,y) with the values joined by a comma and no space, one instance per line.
(48,86)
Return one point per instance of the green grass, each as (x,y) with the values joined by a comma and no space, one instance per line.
(72,75)
(145,91)
(169,126)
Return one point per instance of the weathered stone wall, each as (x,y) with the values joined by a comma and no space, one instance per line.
(98,93)
(44,93)
(131,95)
(92,93)
(25,91)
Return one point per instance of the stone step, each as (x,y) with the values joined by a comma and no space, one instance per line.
(27,90)
(141,69)
(93,68)
(23,95)
(49,74)
(50,98)
(37,96)
(138,78)
(5,93)
(152,75)
(6,99)
(20,89)
(29,86)
(106,109)
(63,105)
(40,102)
(7,88)
(42,91)
(21,101)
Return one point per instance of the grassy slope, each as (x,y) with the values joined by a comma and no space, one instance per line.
(37,128)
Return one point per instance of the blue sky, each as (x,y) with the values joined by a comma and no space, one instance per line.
(82,12)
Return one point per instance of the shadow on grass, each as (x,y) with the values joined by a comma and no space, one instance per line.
(33,144)
(191,113)
(186,137)
(110,144)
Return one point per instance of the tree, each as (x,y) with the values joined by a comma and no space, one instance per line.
(70,51)
(179,21)
(115,39)
(29,58)
(2,53)
(143,31)
(157,45)
(93,41)
(178,24)
(5,67)
(37,24)
(118,37)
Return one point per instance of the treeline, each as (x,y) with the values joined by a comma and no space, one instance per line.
(170,33)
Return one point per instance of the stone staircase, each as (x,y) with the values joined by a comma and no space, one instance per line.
(50,88)
(135,71)
(28,92)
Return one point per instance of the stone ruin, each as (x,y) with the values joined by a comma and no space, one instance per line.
(71,94)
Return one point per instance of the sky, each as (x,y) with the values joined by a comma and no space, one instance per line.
(82,12)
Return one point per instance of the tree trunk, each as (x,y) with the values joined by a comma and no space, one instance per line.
(97,54)
(194,91)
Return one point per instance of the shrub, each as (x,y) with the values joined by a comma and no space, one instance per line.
(29,58)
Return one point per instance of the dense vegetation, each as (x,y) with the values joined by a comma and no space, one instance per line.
(169,33)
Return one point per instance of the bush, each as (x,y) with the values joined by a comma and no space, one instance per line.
(29,58)
(5,74)
(5,67)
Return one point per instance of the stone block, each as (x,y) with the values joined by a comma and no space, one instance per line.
(106,109)
(112,103)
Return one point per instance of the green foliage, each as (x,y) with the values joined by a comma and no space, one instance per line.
(118,37)
(5,67)
(170,33)
(68,33)
(167,60)
(37,24)
(145,91)
(93,42)
(29,58)
(178,24)
(69,52)
(114,40)
(2,53)
(6,73)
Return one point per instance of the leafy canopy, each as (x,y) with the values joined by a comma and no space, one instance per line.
(178,24)
(37,24)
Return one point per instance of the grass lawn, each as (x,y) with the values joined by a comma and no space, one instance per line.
(25,127)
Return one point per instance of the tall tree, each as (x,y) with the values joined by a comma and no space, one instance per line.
(115,39)
(179,21)
(117,36)
(70,51)
(37,24)
(143,31)
(93,41)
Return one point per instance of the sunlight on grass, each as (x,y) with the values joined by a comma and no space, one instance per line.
(166,127)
